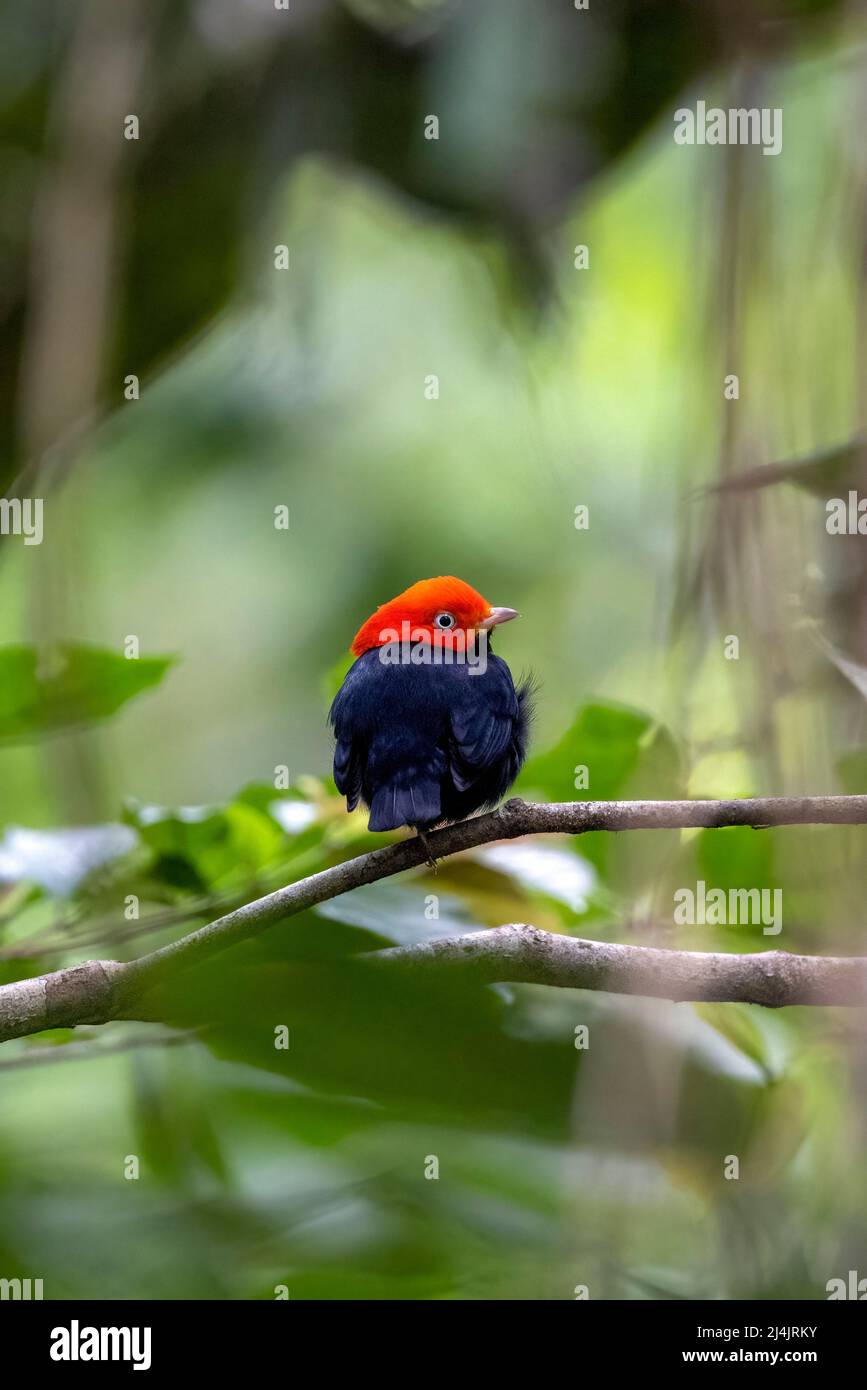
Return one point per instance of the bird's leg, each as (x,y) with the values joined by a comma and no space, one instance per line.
(430,859)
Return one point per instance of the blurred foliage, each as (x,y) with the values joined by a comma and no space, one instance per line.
(234,93)
(310,1165)
(305,1163)
(42,692)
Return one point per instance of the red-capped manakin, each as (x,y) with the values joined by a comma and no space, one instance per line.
(428,722)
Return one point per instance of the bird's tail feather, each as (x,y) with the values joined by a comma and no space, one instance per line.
(415,803)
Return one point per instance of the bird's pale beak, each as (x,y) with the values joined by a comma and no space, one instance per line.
(499,615)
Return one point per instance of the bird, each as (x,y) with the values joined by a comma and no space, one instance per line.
(429,724)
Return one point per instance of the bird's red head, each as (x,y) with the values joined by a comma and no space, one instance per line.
(443,611)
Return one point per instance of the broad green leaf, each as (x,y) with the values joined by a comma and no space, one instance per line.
(754,1031)
(70,685)
(290,810)
(542,868)
(627,754)
(736,857)
(208,846)
(618,745)
(400,914)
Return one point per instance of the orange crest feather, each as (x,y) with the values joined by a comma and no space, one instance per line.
(418,606)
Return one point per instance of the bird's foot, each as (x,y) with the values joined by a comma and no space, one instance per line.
(432,863)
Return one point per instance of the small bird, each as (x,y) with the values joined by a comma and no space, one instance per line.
(428,722)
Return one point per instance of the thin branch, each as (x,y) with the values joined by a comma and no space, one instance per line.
(519,954)
(45,1056)
(510,821)
(77,930)
(98,991)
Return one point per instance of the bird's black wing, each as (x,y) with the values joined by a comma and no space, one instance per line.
(391,732)
(488,721)
(348,717)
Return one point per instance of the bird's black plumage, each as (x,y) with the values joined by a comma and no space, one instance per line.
(419,744)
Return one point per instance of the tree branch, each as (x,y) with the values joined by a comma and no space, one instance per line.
(98,991)
(519,954)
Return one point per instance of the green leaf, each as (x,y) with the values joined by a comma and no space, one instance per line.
(753,1032)
(543,869)
(51,1037)
(619,745)
(627,753)
(72,684)
(291,811)
(208,846)
(398,913)
(737,857)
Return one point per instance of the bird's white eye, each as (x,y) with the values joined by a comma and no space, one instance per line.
(445,620)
